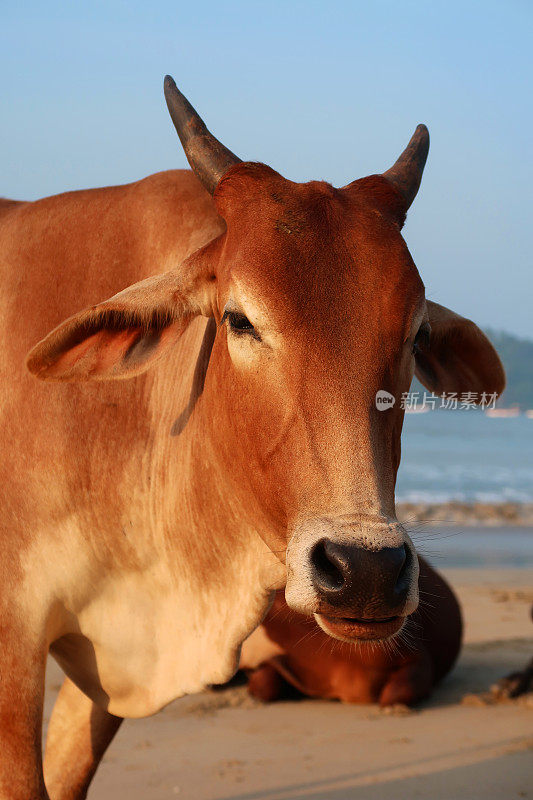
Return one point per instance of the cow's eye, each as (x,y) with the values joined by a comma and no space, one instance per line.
(239,323)
(421,341)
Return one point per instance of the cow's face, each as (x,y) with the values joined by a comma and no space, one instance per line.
(321,308)
(321,314)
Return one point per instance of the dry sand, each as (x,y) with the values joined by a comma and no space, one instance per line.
(222,745)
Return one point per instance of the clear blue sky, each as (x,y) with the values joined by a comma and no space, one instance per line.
(316,90)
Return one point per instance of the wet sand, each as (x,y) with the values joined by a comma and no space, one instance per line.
(223,745)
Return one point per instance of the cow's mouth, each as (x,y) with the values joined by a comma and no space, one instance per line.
(351,629)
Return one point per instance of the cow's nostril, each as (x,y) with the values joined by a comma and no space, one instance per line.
(402,581)
(327,571)
(360,580)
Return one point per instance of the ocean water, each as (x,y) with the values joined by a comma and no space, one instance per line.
(494,547)
(467,456)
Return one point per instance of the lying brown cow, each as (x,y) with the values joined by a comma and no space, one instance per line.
(204,436)
(291,651)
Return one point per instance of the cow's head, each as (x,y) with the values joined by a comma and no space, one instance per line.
(319,308)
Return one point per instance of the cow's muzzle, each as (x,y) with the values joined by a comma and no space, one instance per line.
(355,588)
(350,578)
(362,592)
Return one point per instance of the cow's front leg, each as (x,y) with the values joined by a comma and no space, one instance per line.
(409,684)
(267,684)
(22,668)
(78,735)
(517,683)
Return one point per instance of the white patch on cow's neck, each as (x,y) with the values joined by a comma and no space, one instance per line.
(149,640)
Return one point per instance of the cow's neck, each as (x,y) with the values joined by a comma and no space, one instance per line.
(200,545)
(171,573)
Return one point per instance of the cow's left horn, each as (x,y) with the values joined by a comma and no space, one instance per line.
(406,173)
(206,155)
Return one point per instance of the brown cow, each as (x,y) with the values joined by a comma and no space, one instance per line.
(147,522)
(290,651)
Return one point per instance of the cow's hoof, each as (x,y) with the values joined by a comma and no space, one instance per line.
(514,685)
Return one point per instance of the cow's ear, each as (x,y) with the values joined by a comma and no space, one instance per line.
(123,336)
(458,357)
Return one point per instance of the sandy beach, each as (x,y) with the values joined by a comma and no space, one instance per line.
(467,514)
(221,745)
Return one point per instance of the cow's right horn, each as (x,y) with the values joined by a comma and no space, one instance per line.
(406,173)
(208,158)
